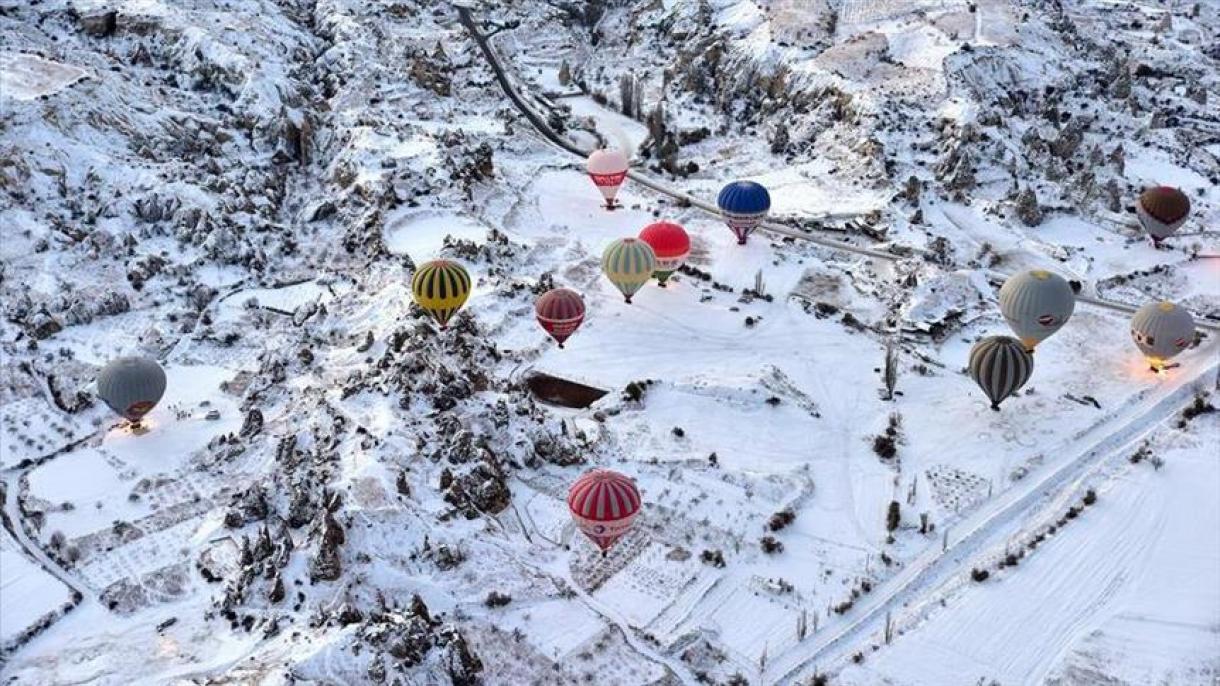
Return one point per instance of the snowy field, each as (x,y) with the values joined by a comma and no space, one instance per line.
(333,491)
(28,593)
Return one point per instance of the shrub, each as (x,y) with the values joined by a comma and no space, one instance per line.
(1090,497)
(885,446)
(497,599)
(770,545)
(979,575)
(635,390)
(781,519)
(894,517)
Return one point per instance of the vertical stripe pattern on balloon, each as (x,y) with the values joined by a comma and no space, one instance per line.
(1000,365)
(441,287)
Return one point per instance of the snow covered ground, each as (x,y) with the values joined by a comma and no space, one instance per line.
(28,593)
(334,492)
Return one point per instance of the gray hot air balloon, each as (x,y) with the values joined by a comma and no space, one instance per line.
(131,386)
(1000,365)
(1036,304)
(1161,331)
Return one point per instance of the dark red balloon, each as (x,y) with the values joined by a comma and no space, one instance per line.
(560,312)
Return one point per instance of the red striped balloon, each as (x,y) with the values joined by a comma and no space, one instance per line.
(604,504)
(560,312)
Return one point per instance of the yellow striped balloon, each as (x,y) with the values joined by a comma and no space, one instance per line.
(628,263)
(441,288)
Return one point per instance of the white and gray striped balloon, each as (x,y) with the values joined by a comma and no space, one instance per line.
(131,386)
(1000,365)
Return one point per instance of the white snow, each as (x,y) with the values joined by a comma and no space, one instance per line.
(27,77)
(27,591)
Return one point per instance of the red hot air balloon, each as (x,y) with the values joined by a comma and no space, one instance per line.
(604,504)
(607,168)
(560,311)
(670,243)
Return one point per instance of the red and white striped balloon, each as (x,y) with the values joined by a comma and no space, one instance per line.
(604,504)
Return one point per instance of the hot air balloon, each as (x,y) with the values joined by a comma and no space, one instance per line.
(1162,211)
(628,263)
(131,386)
(604,504)
(1161,331)
(441,288)
(1036,304)
(744,205)
(1000,365)
(670,244)
(607,167)
(560,311)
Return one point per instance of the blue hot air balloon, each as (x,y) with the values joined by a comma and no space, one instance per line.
(744,205)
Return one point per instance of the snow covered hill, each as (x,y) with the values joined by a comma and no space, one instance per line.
(334,491)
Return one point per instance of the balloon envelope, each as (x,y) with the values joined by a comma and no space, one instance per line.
(1036,304)
(628,263)
(604,504)
(607,167)
(1000,365)
(1162,210)
(671,245)
(744,205)
(1162,330)
(560,312)
(131,386)
(441,287)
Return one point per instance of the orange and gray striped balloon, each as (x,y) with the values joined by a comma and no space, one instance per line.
(1000,365)
(441,288)
(1162,210)
(628,263)
(604,504)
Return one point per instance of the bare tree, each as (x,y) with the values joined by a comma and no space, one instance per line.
(891,368)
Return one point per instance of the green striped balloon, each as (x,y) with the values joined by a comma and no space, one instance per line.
(628,263)
(1000,365)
